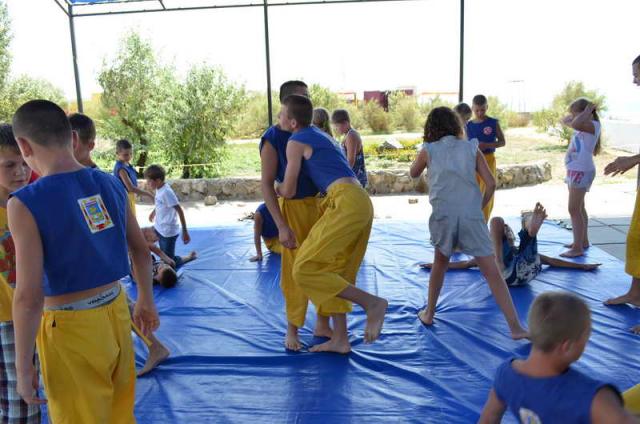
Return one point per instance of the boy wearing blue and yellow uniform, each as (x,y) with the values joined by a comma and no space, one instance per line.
(294,217)
(265,229)
(71,229)
(328,261)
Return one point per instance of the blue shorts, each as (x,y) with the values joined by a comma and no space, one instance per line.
(522,263)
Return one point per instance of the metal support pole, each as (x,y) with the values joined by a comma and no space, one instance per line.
(268,57)
(74,53)
(461,86)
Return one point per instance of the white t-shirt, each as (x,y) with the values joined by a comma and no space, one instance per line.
(166,222)
(580,153)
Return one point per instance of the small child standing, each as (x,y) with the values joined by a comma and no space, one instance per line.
(351,144)
(166,213)
(581,170)
(486,130)
(14,174)
(84,138)
(544,388)
(264,228)
(464,112)
(457,221)
(322,120)
(126,173)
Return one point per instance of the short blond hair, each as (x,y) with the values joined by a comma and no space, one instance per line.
(556,317)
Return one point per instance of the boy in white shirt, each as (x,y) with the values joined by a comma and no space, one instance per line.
(166,213)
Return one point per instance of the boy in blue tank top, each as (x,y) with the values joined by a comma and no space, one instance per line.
(544,388)
(264,229)
(126,173)
(328,261)
(71,230)
(294,218)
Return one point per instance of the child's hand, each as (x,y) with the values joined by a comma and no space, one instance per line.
(145,317)
(186,238)
(256,258)
(171,263)
(27,386)
(277,189)
(566,121)
(287,238)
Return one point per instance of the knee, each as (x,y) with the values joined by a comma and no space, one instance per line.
(575,208)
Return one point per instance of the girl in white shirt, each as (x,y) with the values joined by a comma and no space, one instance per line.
(581,169)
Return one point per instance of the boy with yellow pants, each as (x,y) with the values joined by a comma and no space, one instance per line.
(83,335)
(328,261)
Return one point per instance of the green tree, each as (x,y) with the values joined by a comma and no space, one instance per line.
(375,117)
(203,114)
(405,112)
(22,89)
(253,119)
(5,40)
(136,92)
(430,104)
(548,119)
(499,110)
(323,97)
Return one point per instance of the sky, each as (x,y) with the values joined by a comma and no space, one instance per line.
(357,47)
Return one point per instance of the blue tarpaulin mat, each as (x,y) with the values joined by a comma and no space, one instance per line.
(224,324)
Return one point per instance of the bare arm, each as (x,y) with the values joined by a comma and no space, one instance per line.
(352,143)
(124,177)
(493,410)
(560,263)
(295,153)
(500,140)
(186,238)
(607,408)
(621,165)
(419,164)
(28,299)
(163,256)
(489,180)
(257,234)
(584,120)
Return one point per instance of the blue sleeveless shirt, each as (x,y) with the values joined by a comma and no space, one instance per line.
(358,166)
(565,398)
(327,163)
(129,169)
(485,132)
(269,228)
(278,138)
(81,218)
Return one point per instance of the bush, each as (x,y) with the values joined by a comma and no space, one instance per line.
(253,119)
(357,117)
(429,105)
(518,120)
(323,97)
(22,89)
(375,117)
(405,112)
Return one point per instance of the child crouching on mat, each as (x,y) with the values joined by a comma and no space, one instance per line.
(544,388)
(520,264)
(457,221)
(327,262)
(151,237)
(264,228)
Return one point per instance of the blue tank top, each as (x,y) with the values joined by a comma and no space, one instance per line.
(131,172)
(81,217)
(269,228)
(358,166)
(327,163)
(485,132)
(278,139)
(566,398)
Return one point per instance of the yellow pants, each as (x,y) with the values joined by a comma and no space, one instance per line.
(274,246)
(87,364)
(632,266)
(132,202)
(632,400)
(491,161)
(329,259)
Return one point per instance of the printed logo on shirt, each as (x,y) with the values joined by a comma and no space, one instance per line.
(487,130)
(529,417)
(95,213)
(8,259)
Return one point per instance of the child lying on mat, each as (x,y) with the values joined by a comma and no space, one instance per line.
(520,264)
(543,388)
(151,237)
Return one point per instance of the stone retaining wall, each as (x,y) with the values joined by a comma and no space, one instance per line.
(380,182)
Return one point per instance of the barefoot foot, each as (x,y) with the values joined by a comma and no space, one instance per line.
(519,334)
(635,329)
(624,299)
(292,341)
(157,354)
(323,329)
(336,346)
(193,256)
(426,317)
(375,320)
(573,253)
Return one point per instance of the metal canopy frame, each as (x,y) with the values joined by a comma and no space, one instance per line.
(79,10)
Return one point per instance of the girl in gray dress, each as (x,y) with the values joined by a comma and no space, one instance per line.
(457,221)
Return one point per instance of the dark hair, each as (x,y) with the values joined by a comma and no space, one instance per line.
(123,144)
(155,172)
(340,116)
(636,61)
(556,317)
(42,122)
(7,139)
(83,126)
(479,100)
(299,108)
(462,109)
(321,120)
(168,278)
(291,87)
(579,105)
(442,122)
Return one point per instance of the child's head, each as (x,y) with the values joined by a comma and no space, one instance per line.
(41,127)
(296,113)
(85,131)
(479,106)
(124,150)
(166,276)
(635,68)
(14,171)
(560,325)
(290,88)
(341,120)
(155,175)
(442,122)
(578,106)
(321,120)
(464,111)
